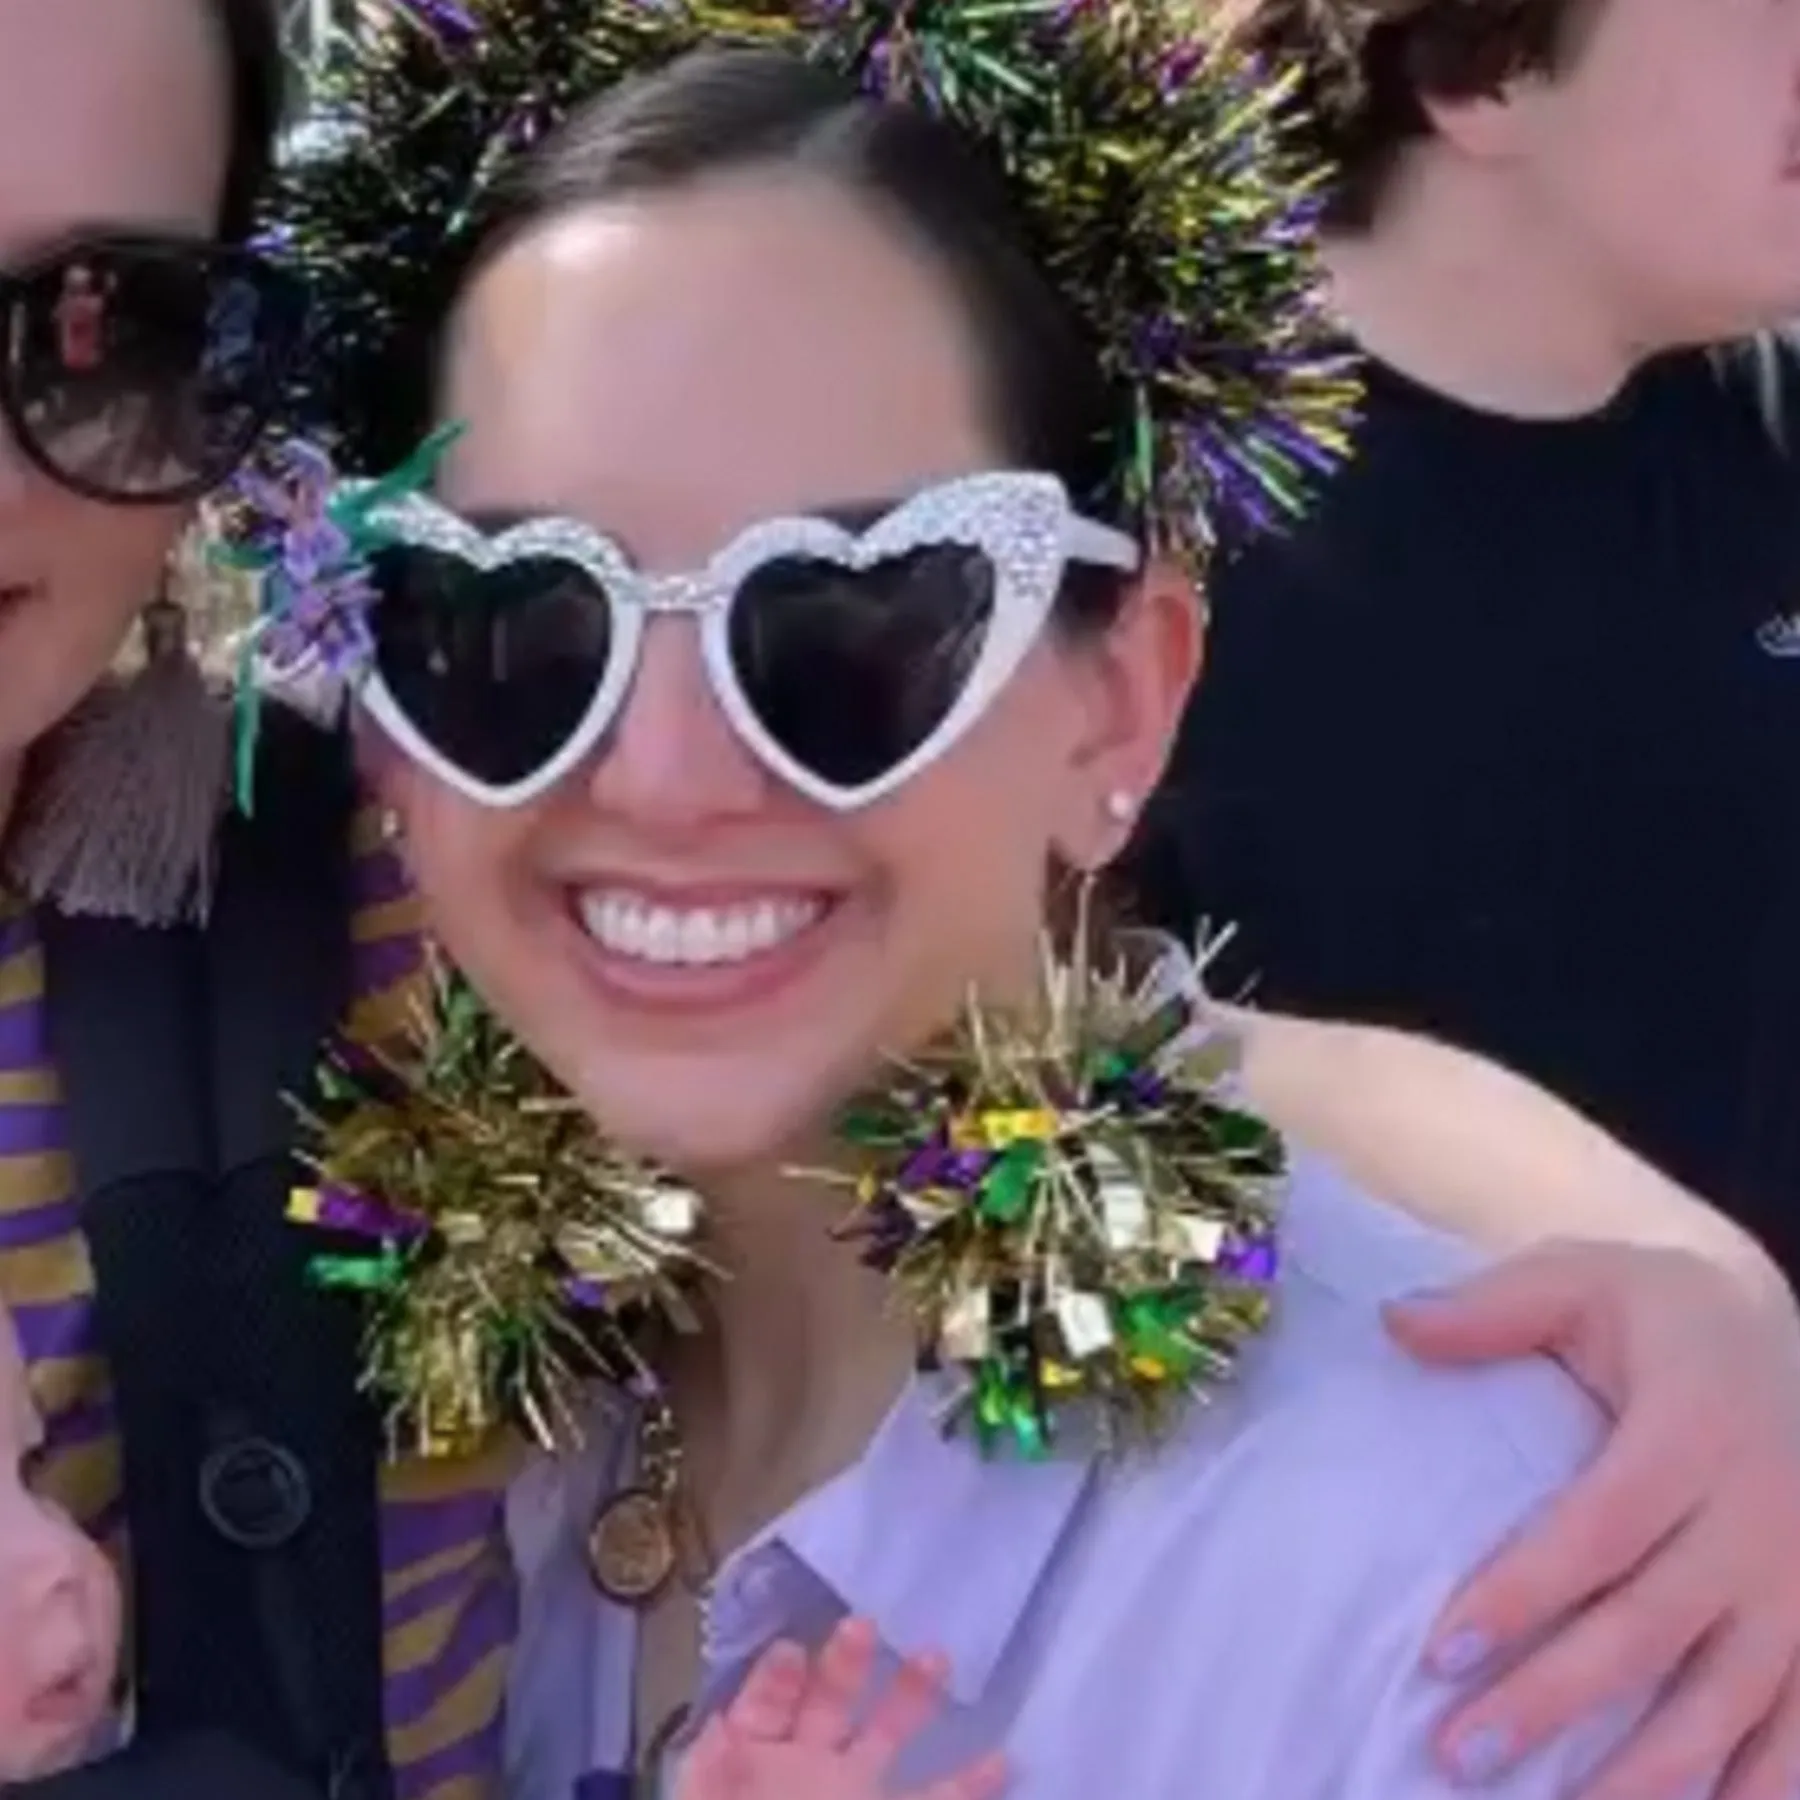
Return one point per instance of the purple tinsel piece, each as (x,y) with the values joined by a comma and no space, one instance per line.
(1156,340)
(1178,69)
(1136,1090)
(1253,1260)
(1144,1088)
(936,1164)
(453,23)
(308,469)
(525,125)
(323,622)
(319,595)
(311,546)
(362,1215)
(886,1228)
(589,1295)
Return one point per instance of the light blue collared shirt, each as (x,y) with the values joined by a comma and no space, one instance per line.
(1242,1617)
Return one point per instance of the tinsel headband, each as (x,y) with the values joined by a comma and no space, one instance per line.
(1154,165)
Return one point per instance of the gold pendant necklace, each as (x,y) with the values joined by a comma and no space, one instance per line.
(646,1535)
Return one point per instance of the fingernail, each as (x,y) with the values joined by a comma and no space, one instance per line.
(1426,1296)
(1461,1653)
(1481,1754)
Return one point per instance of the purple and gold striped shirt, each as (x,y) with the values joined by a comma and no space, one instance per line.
(449,1591)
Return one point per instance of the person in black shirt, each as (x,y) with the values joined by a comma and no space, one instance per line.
(1501,741)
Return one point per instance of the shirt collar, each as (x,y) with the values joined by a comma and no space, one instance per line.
(941,1547)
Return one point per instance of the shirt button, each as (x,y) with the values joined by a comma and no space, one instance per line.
(255,1494)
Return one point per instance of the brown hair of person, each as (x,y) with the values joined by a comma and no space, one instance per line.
(1368,69)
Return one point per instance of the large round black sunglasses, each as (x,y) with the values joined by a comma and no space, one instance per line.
(141,370)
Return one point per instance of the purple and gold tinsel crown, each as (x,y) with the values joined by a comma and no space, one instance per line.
(1155,163)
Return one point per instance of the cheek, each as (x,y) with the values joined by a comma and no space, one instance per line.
(1687,157)
(966,846)
(379,766)
(103,566)
(465,860)
(116,557)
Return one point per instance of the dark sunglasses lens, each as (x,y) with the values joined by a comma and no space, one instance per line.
(850,671)
(495,669)
(146,372)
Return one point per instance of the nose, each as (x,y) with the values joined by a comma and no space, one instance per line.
(17,475)
(672,759)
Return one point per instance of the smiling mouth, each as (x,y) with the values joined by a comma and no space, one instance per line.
(65,1701)
(670,936)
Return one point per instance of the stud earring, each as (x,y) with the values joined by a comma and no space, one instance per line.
(1121,806)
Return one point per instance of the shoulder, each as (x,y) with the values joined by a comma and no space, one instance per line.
(1324,1512)
(1331,1366)
(1437,1463)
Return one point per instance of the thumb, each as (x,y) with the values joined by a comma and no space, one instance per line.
(1531,1303)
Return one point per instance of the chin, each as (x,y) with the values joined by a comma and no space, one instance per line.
(30,1752)
(709,1120)
(705,1112)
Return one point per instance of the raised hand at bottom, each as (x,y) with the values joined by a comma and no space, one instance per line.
(791,1735)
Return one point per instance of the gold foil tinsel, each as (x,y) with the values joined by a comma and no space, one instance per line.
(507,1253)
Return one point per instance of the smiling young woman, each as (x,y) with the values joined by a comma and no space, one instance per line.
(706,947)
(630,801)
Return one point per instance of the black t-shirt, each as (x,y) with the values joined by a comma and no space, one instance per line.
(1499,744)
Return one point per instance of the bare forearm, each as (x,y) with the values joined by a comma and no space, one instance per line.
(1474,1148)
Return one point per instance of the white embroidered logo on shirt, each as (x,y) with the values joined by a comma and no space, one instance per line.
(1781,636)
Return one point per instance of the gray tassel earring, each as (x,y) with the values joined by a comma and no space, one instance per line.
(122,804)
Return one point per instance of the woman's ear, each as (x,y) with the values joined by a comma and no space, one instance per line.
(1491,127)
(1137,679)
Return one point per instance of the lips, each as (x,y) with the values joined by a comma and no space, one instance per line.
(63,1702)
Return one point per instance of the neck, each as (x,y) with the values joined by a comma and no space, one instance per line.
(804,1351)
(807,1349)
(1466,288)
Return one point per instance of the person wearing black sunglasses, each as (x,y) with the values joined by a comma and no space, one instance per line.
(143,347)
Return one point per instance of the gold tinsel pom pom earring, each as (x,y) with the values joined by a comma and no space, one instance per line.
(1071,1200)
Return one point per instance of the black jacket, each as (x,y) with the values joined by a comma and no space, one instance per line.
(249,1455)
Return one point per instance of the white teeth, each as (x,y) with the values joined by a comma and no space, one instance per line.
(629,925)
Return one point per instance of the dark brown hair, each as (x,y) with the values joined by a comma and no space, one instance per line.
(1368,67)
(256,82)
